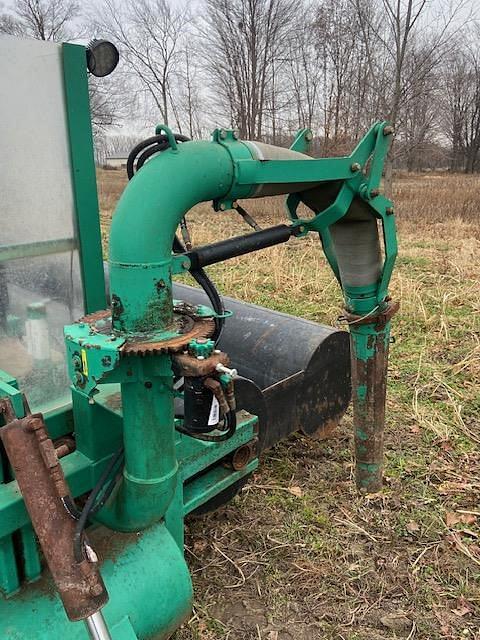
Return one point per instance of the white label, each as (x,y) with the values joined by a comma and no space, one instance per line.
(214,416)
(37,339)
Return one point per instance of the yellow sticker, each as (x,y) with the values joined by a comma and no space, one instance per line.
(84,363)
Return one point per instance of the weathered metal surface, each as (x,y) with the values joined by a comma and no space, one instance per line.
(369,378)
(380,319)
(42,483)
(186,328)
(187,365)
(242,456)
(298,371)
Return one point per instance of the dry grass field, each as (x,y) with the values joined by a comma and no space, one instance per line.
(298,555)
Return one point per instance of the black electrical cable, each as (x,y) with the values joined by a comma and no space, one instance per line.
(155,144)
(91,506)
(230,423)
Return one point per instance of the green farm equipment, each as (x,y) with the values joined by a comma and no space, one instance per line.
(123,414)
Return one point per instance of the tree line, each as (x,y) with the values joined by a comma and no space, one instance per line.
(268,67)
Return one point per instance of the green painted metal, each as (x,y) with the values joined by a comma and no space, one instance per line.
(146,576)
(142,228)
(83,176)
(302,141)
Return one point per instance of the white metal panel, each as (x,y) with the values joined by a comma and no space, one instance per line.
(36,196)
(36,204)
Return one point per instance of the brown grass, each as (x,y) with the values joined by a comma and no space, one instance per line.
(299,555)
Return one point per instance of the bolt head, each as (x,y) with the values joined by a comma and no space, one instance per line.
(388,130)
(389,211)
(223,207)
(356,166)
(309,136)
(236,134)
(222,134)
(374,193)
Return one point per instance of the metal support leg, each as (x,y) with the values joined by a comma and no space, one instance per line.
(369,376)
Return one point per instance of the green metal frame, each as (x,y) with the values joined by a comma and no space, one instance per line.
(83,176)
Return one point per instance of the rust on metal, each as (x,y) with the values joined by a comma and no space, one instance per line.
(216,388)
(41,481)
(379,319)
(186,329)
(188,365)
(242,456)
(64,446)
(203,328)
(369,382)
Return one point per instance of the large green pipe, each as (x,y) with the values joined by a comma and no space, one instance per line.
(150,474)
(144,225)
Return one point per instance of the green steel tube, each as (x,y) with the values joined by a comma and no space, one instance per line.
(144,225)
(141,237)
(150,474)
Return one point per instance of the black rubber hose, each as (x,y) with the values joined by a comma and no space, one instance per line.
(90,503)
(230,424)
(157,143)
(216,301)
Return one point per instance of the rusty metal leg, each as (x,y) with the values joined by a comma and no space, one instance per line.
(41,481)
(369,375)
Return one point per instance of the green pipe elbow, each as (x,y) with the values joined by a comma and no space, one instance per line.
(145,222)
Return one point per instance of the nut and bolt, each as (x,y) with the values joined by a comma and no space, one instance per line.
(356,166)
(33,423)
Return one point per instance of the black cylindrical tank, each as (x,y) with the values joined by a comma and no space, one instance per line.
(296,372)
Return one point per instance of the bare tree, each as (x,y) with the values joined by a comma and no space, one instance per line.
(461,103)
(150,34)
(246,41)
(405,25)
(306,62)
(41,19)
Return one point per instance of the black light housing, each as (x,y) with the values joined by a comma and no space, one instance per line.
(102,57)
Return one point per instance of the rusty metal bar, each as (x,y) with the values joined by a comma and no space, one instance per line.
(42,483)
(369,377)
